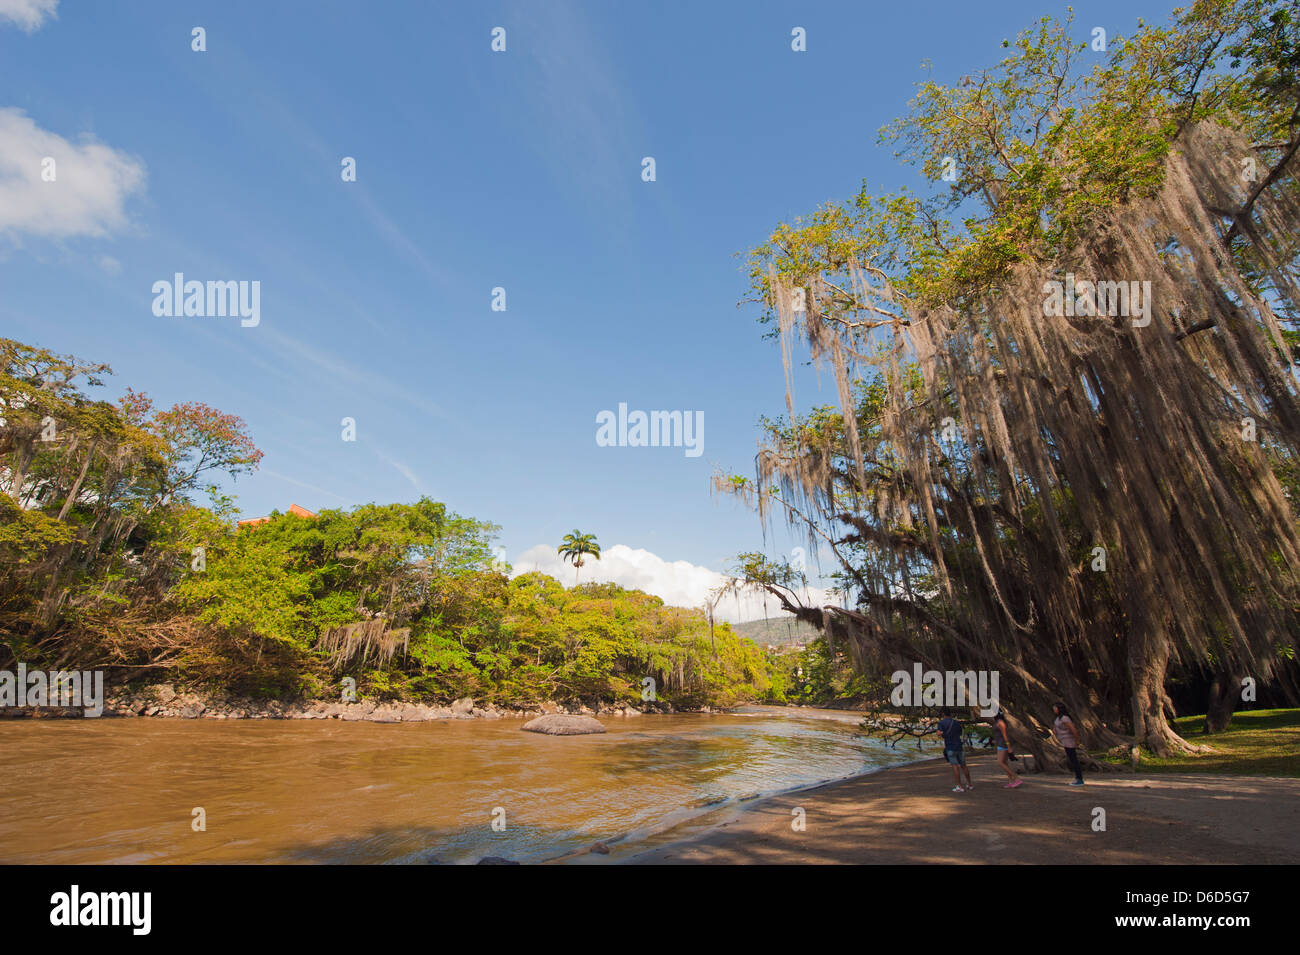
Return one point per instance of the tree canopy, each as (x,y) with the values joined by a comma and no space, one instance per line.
(119,550)
(1067,417)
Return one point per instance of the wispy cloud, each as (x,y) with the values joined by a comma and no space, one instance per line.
(404,470)
(385,226)
(576,94)
(302,484)
(266,102)
(396,239)
(343,371)
(29,15)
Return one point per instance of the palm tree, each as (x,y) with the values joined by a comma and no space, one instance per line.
(575,546)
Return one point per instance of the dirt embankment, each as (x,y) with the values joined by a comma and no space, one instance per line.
(169,702)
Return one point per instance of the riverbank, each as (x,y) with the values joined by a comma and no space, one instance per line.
(907,815)
(167,702)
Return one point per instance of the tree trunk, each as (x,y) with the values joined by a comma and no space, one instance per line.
(76,487)
(1224,696)
(1148,661)
(22,458)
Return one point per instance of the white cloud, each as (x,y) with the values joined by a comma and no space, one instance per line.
(28,14)
(679,582)
(404,470)
(91,181)
(110,265)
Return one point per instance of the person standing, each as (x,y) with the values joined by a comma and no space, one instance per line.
(1068,735)
(953,750)
(1002,741)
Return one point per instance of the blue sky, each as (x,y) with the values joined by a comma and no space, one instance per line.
(475,170)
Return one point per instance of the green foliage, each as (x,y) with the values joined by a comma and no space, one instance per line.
(592,644)
(26,536)
(815,676)
(105,558)
(1041,150)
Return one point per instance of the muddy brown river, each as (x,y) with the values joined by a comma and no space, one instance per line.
(455,791)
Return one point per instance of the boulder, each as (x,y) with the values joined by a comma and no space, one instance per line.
(463,707)
(563,725)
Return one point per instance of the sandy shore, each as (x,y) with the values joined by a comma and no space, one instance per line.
(909,815)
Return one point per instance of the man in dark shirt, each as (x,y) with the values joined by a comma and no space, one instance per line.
(950,730)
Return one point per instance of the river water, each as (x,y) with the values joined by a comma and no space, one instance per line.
(324,791)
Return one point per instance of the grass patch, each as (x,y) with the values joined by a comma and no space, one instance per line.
(1256,743)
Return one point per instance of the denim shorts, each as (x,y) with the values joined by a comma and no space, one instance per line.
(955,756)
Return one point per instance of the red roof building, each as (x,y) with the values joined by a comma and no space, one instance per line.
(294,509)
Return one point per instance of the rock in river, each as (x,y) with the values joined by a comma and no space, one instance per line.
(562,725)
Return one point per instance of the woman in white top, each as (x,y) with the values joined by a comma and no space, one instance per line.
(1065,731)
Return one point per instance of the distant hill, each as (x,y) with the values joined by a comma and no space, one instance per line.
(781,631)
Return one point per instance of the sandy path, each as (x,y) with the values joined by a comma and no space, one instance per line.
(909,815)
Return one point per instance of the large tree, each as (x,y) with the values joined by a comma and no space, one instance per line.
(95,491)
(1027,472)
